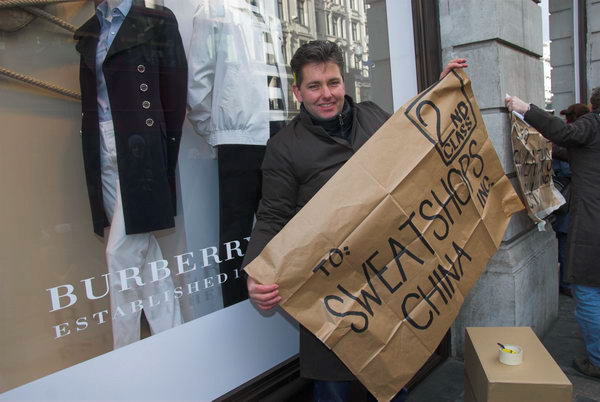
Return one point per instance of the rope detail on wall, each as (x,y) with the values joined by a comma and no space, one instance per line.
(52,18)
(40,84)
(20,3)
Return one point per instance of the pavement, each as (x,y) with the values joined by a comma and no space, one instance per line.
(563,341)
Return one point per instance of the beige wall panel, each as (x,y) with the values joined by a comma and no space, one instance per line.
(47,237)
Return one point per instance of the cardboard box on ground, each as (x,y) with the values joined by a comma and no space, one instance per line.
(378,263)
(537,379)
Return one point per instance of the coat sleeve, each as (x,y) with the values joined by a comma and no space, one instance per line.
(579,133)
(173,87)
(560,153)
(202,62)
(279,198)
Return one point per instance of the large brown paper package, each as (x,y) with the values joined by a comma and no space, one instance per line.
(533,164)
(379,262)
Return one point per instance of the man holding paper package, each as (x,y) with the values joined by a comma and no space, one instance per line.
(299,160)
(582,140)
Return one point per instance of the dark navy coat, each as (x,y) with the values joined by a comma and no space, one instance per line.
(146,76)
(582,141)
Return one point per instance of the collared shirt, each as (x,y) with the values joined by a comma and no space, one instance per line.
(108,31)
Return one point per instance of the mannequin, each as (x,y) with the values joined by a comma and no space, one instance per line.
(133,87)
(237,100)
(112,4)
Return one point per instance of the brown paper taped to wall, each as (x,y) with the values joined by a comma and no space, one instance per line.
(533,164)
(379,262)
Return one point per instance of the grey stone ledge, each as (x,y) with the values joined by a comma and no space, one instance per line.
(505,257)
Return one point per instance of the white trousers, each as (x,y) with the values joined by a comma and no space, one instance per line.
(133,287)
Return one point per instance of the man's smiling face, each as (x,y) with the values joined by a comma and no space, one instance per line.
(321,90)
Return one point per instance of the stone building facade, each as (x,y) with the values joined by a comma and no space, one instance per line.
(574,51)
(502,40)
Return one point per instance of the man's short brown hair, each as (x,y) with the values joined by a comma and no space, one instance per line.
(575,111)
(316,51)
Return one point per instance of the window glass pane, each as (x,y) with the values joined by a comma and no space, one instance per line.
(132,168)
(345,23)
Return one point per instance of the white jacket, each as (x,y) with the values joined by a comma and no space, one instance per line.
(230,60)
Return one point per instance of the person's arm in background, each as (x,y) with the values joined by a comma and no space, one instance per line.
(276,208)
(202,65)
(560,153)
(578,133)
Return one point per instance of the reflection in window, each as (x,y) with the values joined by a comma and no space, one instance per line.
(283,51)
(341,21)
(300,8)
(336,26)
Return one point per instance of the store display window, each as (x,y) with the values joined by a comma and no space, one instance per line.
(132,138)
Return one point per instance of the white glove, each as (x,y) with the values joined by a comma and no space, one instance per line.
(515,104)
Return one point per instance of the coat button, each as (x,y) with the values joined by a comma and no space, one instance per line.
(149,122)
(144,87)
(146,105)
(141,68)
(173,139)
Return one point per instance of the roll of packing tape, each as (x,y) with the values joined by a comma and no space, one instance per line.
(511,355)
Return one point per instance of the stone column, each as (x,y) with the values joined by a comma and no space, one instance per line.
(502,40)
